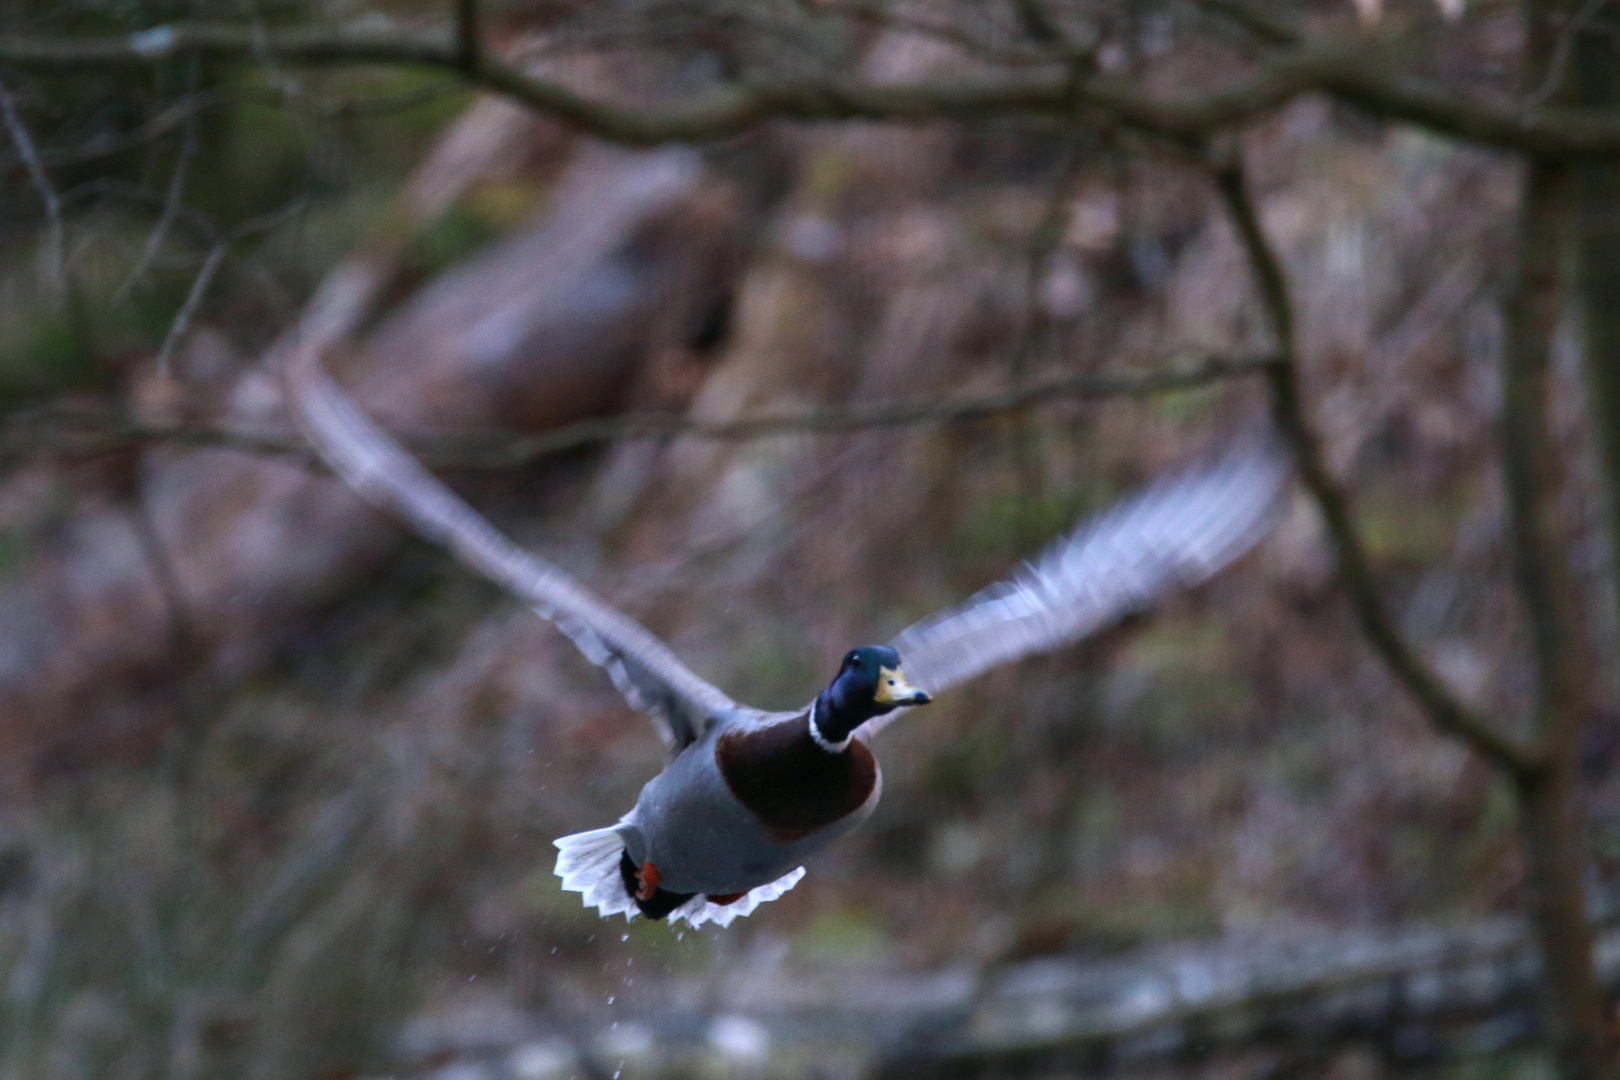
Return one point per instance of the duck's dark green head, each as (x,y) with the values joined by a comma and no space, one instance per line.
(870,683)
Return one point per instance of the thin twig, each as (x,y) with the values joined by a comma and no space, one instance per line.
(1031,394)
(1043,242)
(1441,706)
(53,266)
(194,298)
(1562,48)
(76,432)
(106,187)
(164,574)
(178,114)
(205,278)
(171,202)
(180,111)
(105,145)
(86,431)
(262,49)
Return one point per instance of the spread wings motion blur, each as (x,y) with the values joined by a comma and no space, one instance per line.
(650,677)
(1173,534)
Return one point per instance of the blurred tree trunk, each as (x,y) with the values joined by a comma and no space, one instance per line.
(1554,606)
(1595,62)
(1595,78)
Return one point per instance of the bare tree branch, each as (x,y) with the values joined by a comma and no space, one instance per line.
(1442,707)
(178,115)
(1531,473)
(52,251)
(86,431)
(164,575)
(894,414)
(469,38)
(205,278)
(171,203)
(188,309)
(1553,600)
(105,145)
(1356,69)
(1043,243)
(1558,63)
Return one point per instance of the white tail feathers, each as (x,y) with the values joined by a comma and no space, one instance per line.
(698,910)
(588,863)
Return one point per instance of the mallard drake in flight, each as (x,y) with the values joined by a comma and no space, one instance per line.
(749,795)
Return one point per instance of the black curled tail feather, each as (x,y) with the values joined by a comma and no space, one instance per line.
(663,901)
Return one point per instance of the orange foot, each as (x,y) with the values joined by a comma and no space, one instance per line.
(647,881)
(729,898)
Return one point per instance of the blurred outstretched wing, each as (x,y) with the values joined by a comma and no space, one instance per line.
(1173,535)
(378,469)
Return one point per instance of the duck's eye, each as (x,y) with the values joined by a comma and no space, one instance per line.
(891,682)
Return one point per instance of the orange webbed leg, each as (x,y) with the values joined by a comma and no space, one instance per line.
(647,881)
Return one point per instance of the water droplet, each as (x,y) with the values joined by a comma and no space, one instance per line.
(625,938)
(610,999)
(472,978)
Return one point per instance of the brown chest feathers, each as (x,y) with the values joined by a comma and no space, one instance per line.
(792,785)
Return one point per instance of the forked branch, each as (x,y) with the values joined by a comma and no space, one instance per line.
(1355,69)
(1441,706)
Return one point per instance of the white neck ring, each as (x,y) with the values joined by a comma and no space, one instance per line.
(822,741)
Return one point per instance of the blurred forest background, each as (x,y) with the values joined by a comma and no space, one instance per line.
(278,783)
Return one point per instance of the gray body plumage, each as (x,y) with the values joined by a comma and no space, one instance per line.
(687,821)
(690,825)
